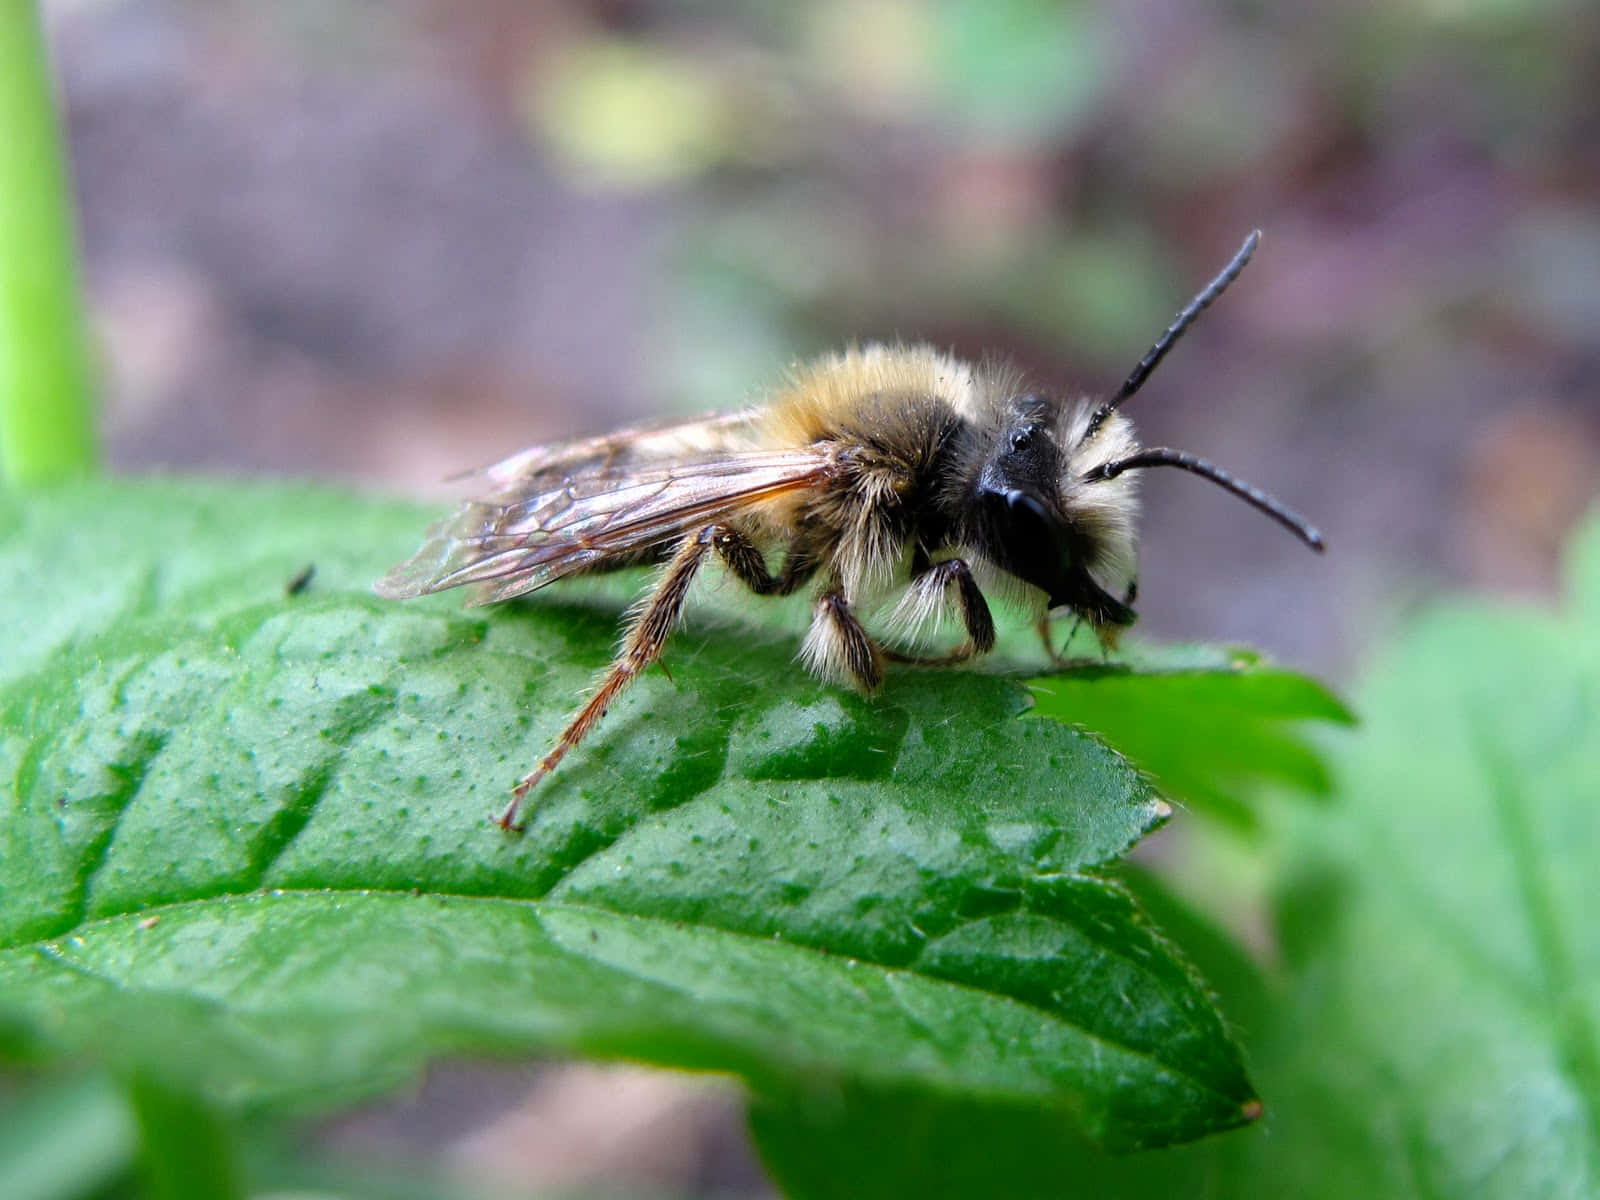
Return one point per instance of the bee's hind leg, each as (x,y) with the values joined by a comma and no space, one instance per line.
(647,632)
(927,596)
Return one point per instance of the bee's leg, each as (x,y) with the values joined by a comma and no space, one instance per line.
(1058,657)
(1128,597)
(1077,624)
(640,647)
(1043,628)
(927,595)
(837,647)
(749,565)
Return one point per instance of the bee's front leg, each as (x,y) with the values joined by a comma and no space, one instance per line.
(928,595)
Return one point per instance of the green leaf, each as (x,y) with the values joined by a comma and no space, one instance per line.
(814,1138)
(1208,725)
(1444,1036)
(243,844)
(64,1139)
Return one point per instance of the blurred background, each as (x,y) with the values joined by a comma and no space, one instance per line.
(382,242)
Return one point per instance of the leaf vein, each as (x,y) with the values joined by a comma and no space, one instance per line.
(130,779)
(273,840)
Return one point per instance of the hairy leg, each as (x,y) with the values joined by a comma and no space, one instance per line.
(749,565)
(929,594)
(838,648)
(640,647)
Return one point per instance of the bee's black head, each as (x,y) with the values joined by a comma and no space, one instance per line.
(1020,524)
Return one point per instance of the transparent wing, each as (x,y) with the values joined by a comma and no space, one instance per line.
(565,522)
(541,468)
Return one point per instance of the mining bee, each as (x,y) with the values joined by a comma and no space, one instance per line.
(897,482)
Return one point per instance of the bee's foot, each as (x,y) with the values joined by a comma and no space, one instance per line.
(507,817)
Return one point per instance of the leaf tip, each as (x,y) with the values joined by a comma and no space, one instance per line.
(1252,1109)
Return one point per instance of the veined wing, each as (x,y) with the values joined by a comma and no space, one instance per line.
(505,547)
(614,454)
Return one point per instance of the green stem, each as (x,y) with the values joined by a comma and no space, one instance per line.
(46,379)
(187,1148)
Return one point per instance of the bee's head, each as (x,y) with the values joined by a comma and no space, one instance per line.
(1031,524)
(1056,501)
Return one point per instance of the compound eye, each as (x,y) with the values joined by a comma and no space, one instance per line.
(1036,545)
(1035,527)
(1033,541)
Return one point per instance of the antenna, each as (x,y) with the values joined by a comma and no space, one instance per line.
(1169,339)
(1251,495)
